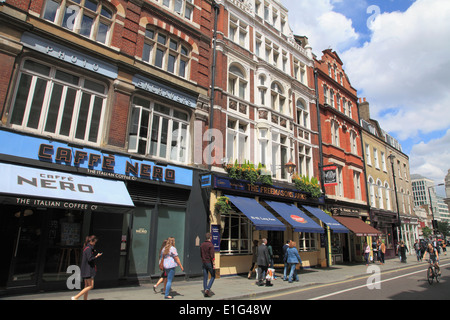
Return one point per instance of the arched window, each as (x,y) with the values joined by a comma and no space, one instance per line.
(237,81)
(302,114)
(372,192)
(380,195)
(388,196)
(90,18)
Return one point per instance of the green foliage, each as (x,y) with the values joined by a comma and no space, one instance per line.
(248,172)
(306,184)
(222,205)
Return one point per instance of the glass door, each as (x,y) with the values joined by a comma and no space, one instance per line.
(27,225)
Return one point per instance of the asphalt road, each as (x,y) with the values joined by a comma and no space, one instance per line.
(408,283)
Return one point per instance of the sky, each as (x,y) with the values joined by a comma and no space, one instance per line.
(396,53)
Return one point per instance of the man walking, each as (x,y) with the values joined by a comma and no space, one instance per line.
(207,255)
(263,262)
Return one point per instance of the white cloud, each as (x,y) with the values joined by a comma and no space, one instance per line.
(432,159)
(403,70)
(323,27)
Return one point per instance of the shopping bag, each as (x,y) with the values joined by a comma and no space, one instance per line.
(270,274)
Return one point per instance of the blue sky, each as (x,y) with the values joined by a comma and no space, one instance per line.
(397,55)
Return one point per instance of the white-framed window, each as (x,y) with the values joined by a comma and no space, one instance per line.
(55,102)
(387,192)
(304,160)
(300,71)
(302,114)
(159,131)
(353,142)
(339,188)
(338,102)
(278,97)
(263,142)
(258,45)
(281,153)
(332,98)
(368,158)
(166,52)
(380,195)
(237,81)
(236,234)
(325,94)
(372,192)
(375,158)
(307,241)
(184,8)
(357,185)
(238,31)
(383,161)
(90,18)
(262,89)
(237,140)
(335,133)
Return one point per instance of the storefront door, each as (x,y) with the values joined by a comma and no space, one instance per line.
(276,240)
(26,230)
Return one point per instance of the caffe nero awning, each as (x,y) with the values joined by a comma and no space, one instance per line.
(33,187)
(258,215)
(295,217)
(329,221)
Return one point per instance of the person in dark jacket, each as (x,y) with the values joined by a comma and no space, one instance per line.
(88,268)
(208,256)
(263,261)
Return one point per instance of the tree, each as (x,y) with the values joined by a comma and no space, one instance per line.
(427,232)
(444,228)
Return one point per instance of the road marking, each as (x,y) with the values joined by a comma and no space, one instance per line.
(265,297)
(365,285)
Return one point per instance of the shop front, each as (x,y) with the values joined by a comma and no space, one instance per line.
(54,195)
(386,222)
(259,211)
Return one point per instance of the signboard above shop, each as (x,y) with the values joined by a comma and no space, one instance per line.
(90,161)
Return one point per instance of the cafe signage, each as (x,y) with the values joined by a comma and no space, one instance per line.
(272,191)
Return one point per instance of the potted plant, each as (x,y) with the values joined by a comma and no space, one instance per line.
(222,205)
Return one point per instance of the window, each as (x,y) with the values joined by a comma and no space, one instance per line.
(165,52)
(357,184)
(339,188)
(238,31)
(353,142)
(262,90)
(278,98)
(388,196)
(236,234)
(307,241)
(380,195)
(383,161)
(302,114)
(300,71)
(281,154)
(263,146)
(335,133)
(304,160)
(90,18)
(237,83)
(237,141)
(159,131)
(52,101)
(368,159)
(182,7)
(375,158)
(325,94)
(372,192)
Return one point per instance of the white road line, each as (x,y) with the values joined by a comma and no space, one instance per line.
(365,285)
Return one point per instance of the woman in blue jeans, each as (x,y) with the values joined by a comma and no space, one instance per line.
(292,258)
(171,260)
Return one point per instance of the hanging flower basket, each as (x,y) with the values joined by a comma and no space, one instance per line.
(222,205)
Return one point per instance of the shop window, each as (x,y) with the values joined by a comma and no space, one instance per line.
(90,18)
(159,131)
(236,234)
(55,102)
(307,241)
(166,52)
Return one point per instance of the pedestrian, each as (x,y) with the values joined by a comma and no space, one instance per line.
(163,277)
(417,249)
(208,257)
(263,261)
(444,248)
(381,250)
(293,258)
(285,247)
(254,257)
(366,250)
(402,251)
(88,267)
(170,261)
(398,251)
(375,251)
(271,263)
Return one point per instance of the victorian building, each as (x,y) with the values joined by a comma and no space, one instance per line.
(99,101)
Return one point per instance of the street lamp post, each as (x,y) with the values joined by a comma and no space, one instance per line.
(391,158)
(433,222)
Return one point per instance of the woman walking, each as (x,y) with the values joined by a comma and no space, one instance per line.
(163,277)
(292,258)
(171,260)
(88,267)
(366,249)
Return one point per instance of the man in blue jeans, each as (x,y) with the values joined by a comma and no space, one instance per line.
(207,255)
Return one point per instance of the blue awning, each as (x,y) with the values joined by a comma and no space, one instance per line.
(258,215)
(329,221)
(295,217)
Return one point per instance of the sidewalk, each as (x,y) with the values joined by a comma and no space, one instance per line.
(231,287)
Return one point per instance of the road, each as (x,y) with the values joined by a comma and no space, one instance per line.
(407,283)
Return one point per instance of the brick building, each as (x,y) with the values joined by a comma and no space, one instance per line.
(101,98)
